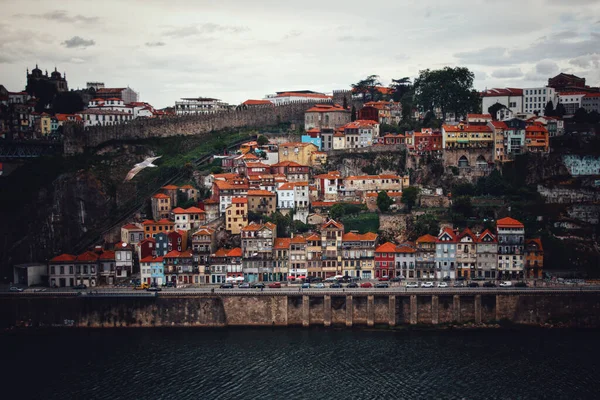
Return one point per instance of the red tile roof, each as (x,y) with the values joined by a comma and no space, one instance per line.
(132,227)
(466,128)
(282,243)
(235,252)
(427,239)
(170,187)
(327,108)
(447,231)
(107,255)
(150,259)
(486,116)
(387,247)
(509,222)
(335,224)
(178,210)
(87,257)
(502,92)
(161,196)
(405,249)
(500,124)
(64,258)
(260,193)
(257,102)
(239,200)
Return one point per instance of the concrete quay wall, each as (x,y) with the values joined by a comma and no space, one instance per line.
(276,309)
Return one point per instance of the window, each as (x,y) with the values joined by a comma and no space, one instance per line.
(52,271)
(62,270)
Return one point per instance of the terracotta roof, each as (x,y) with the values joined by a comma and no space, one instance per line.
(509,222)
(87,257)
(486,116)
(387,247)
(239,200)
(336,224)
(164,221)
(64,258)
(314,237)
(151,240)
(225,185)
(330,175)
(427,239)
(589,95)
(360,123)
(122,246)
(194,210)
(204,230)
(131,227)
(502,92)
(186,187)
(298,239)
(170,187)
(288,164)
(260,193)
(535,129)
(150,259)
(468,232)
(257,102)
(313,130)
(107,255)
(449,232)
(179,254)
(178,210)
(235,252)
(258,164)
(327,108)
(499,124)
(405,249)
(487,232)
(161,196)
(355,237)
(282,243)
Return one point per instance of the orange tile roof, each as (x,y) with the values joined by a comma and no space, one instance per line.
(131,227)
(509,222)
(87,257)
(484,233)
(107,255)
(468,232)
(239,200)
(330,175)
(204,230)
(448,231)
(387,247)
(427,239)
(355,237)
(282,243)
(150,259)
(64,258)
(165,221)
(235,252)
(194,210)
(500,124)
(486,116)
(336,224)
(405,249)
(314,237)
(186,187)
(161,196)
(257,102)
(178,210)
(298,239)
(226,185)
(360,123)
(257,164)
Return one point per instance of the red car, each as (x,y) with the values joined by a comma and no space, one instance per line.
(366,285)
(384,279)
(275,285)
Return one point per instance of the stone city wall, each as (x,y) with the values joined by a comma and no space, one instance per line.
(323,309)
(77,138)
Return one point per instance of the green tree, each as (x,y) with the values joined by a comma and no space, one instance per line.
(345,103)
(367,86)
(593,117)
(549,109)
(399,87)
(384,201)
(560,110)
(339,210)
(463,189)
(462,205)
(219,146)
(581,115)
(216,170)
(353,114)
(409,197)
(262,140)
(425,224)
(450,89)
(44,91)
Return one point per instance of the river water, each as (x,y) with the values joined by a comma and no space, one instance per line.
(300,364)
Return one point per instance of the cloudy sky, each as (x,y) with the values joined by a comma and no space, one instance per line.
(240,49)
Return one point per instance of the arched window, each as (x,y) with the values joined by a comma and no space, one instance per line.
(463,162)
(481,163)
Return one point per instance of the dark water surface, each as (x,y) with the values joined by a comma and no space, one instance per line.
(300,364)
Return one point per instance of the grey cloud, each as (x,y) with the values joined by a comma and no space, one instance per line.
(564,35)
(544,48)
(480,75)
(350,38)
(587,61)
(77,41)
(507,73)
(546,67)
(61,16)
(4,59)
(292,34)
(203,29)
(570,3)
(155,44)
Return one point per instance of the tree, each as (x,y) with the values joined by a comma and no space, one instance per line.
(462,206)
(560,110)
(593,117)
(353,114)
(463,189)
(426,224)
(409,196)
(219,146)
(399,87)
(216,170)
(345,103)
(67,103)
(339,210)
(262,140)
(581,115)
(449,89)
(407,102)
(549,109)
(384,201)
(367,86)
(44,91)
(494,108)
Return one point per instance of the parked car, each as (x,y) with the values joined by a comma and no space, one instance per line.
(382,285)
(396,279)
(172,284)
(275,285)
(366,285)
(427,284)
(335,286)
(244,285)
(320,285)
(509,283)
(446,278)
(15,289)
(459,284)
(153,289)
(384,279)
(226,286)
(473,284)
(442,285)
(258,285)
(314,279)
(306,285)
(519,284)
(412,284)
(80,286)
(489,284)
(352,285)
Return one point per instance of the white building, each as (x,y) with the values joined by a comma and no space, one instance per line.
(199,105)
(572,101)
(123,260)
(285,196)
(535,99)
(104,117)
(509,97)
(303,95)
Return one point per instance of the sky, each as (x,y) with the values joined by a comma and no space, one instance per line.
(244,49)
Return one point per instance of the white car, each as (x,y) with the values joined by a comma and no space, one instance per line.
(505,284)
(427,284)
(442,285)
(412,285)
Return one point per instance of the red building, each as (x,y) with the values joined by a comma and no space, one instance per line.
(369,113)
(391,139)
(425,141)
(175,240)
(385,260)
(146,248)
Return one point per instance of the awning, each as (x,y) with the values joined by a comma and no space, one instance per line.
(239,278)
(230,279)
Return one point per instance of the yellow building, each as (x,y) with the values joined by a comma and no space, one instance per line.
(302,153)
(43,124)
(463,136)
(236,215)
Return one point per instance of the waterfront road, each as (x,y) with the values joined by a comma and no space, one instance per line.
(296,291)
